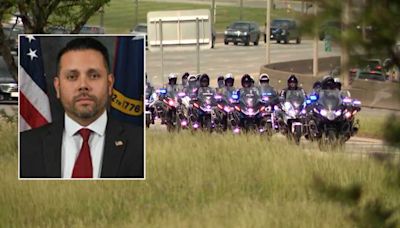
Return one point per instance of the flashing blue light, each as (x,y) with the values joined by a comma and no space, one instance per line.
(266,94)
(235,96)
(313,98)
(308,101)
(163,91)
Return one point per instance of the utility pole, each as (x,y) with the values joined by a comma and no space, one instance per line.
(268,32)
(344,58)
(212,20)
(198,45)
(162,50)
(102,17)
(241,9)
(136,11)
(315,51)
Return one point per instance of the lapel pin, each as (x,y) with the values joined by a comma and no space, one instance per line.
(119,143)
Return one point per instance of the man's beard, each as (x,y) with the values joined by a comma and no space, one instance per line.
(85,111)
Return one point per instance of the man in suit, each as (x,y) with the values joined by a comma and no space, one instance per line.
(87,143)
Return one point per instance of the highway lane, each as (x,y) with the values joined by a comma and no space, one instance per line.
(223,59)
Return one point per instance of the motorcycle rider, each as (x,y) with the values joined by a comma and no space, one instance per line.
(292,84)
(264,86)
(343,93)
(185,79)
(247,85)
(229,88)
(220,83)
(151,98)
(172,87)
(149,88)
(204,85)
(264,82)
(328,83)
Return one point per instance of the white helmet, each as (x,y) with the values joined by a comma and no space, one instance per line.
(264,77)
(172,75)
(228,75)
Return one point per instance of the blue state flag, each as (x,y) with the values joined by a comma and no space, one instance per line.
(127,97)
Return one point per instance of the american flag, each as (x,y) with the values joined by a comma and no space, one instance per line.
(34,102)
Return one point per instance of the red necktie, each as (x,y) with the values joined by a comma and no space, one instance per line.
(83,165)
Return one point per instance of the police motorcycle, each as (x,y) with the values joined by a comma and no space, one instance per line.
(248,112)
(223,110)
(150,97)
(269,100)
(201,109)
(331,119)
(171,109)
(292,115)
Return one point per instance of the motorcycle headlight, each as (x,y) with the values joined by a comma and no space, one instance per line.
(226,32)
(245,33)
(292,112)
(323,112)
(287,105)
(338,112)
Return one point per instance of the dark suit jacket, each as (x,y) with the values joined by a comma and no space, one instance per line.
(40,151)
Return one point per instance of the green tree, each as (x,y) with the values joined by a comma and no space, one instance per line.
(37,15)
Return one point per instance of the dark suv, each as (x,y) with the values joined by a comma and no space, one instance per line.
(284,30)
(242,32)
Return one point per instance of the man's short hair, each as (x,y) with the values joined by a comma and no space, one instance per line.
(84,43)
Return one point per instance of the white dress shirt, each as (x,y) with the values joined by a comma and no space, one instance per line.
(72,143)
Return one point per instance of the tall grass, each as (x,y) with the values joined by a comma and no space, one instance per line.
(198,180)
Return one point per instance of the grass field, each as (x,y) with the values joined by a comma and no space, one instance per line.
(196,181)
(119,16)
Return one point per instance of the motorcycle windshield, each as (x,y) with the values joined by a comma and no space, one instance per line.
(330,99)
(295,97)
(268,94)
(249,99)
(206,96)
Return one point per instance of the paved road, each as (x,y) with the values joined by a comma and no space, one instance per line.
(228,58)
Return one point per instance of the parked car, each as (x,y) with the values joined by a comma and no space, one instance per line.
(284,30)
(242,32)
(8,85)
(90,29)
(57,29)
(140,30)
(372,70)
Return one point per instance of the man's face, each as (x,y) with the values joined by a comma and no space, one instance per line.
(292,85)
(83,85)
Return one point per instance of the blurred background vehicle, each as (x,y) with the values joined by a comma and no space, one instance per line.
(372,70)
(8,85)
(284,30)
(140,30)
(57,29)
(245,32)
(91,29)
